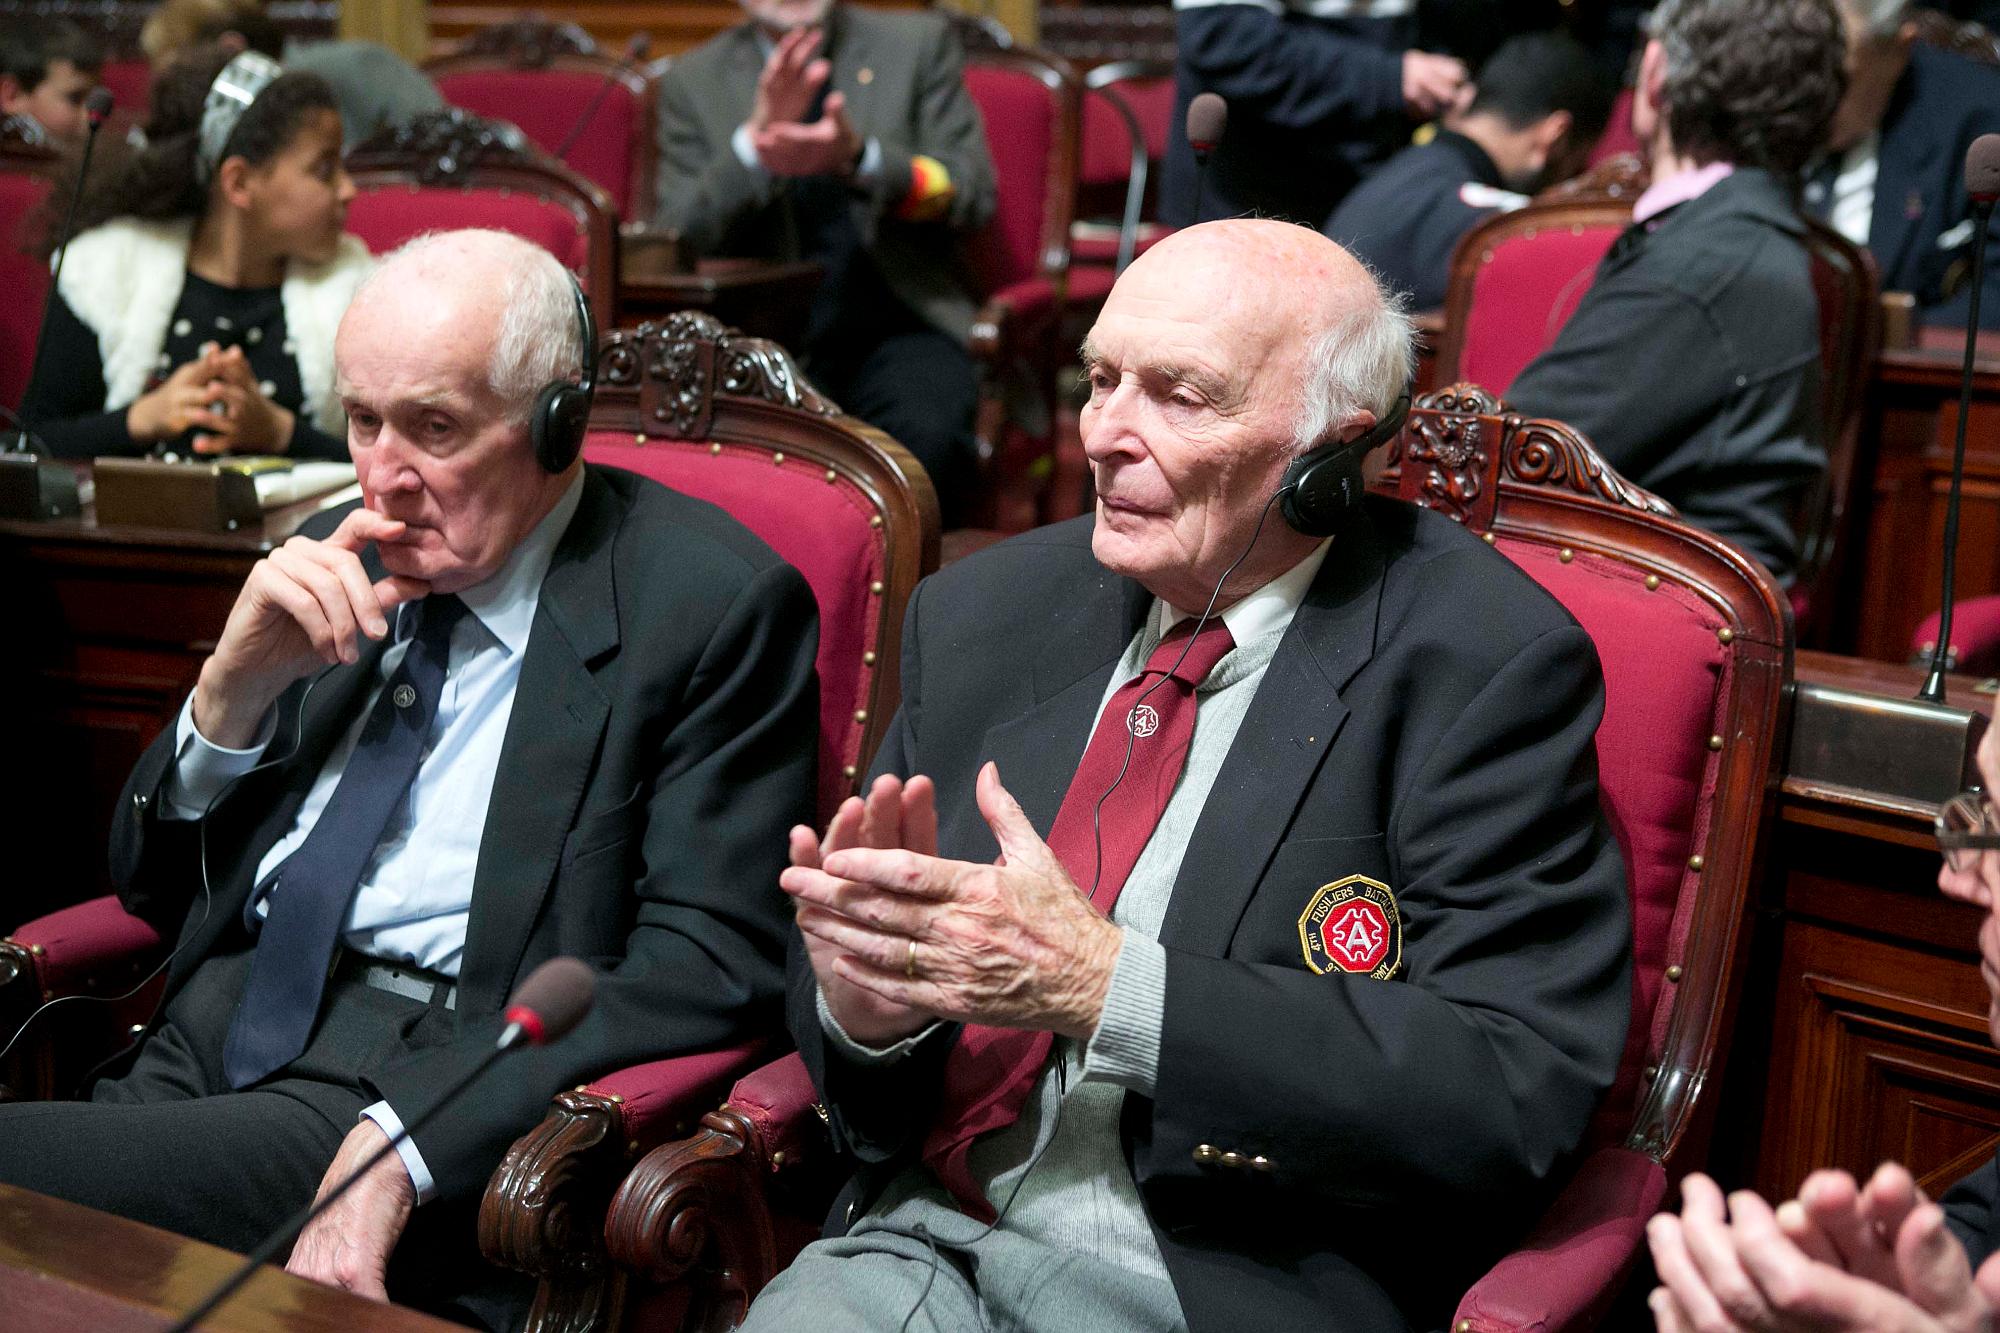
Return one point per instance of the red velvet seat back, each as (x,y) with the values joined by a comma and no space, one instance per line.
(1618,136)
(131,85)
(1525,288)
(1025,133)
(23,276)
(385,217)
(821,528)
(546,105)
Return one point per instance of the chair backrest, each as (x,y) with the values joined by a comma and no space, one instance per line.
(449,169)
(729,419)
(130,80)
(1617,140)
(25,182)
(1696,650)
(544,77)
(1140,93)
(1031,104)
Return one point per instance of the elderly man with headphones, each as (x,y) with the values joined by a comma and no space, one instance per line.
(510,706)
(1231,936)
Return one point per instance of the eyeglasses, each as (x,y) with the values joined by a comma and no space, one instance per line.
(1966,826)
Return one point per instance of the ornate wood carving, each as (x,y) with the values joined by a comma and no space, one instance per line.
(1623,176)
(543,1213)
(1547,453)
(696,1210)
(678,366)
(445,147)
(530,42)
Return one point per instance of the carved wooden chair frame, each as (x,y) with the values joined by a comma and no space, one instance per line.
(453,148)
(690,379)
(1554,489)
(537,44)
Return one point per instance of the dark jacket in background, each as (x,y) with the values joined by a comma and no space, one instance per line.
(1693,364)
(1406,219)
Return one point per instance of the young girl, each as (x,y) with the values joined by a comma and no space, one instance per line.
(206,276)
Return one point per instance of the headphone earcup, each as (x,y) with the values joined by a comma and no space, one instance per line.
(1321,488)
(561,416)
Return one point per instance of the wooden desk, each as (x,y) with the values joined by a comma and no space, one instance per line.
(107,628)
(64,1266)
(765,299)
(1863,1033)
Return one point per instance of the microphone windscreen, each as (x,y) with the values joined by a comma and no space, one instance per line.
(1982,168)
(1207,118)
(97,104)
(553,999)
(636,48)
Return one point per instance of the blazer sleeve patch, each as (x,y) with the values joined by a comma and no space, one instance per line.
(1352,925)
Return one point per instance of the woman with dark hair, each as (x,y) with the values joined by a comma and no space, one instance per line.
(207,273)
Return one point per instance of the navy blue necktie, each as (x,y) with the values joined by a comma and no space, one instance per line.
(310,889)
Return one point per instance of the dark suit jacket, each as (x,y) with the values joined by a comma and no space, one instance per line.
(1970,1210)
(1693,363)
(1428,722)
(1407,218)
(1942,103)
(662,740)
(904,80)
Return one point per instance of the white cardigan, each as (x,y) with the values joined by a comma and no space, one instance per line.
(124,278)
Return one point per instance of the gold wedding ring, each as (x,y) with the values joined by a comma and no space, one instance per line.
(910,962)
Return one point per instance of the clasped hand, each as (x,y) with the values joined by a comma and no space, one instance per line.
(305,605)
(1011,944)
(216,395)
(786,143)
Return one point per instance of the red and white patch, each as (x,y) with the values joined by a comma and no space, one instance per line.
(1352,925)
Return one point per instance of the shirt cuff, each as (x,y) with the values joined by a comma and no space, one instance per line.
(868,171)
(854,1050)
(386,1119)
(202,768)
(746,151)
(1126,1046)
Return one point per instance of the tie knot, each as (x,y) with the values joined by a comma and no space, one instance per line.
(437,615)
(1208,648)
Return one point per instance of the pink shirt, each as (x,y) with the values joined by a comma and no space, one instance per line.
(1662,195)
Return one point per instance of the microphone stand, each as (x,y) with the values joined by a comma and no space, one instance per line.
(511,1037)
(635,51)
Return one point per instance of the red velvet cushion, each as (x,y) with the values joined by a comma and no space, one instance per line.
(94,941)
(545,104)
(130,82)
(23,277)
(1975,635)
(1617,137)
(822,529)
(1665,673)
(1523,296)
(385,218)
(659,1100)
(1107,146)
(1021,116)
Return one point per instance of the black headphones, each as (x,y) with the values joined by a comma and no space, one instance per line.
(562,411)
(1323,485)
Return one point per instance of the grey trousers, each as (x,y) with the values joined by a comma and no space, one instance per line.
(884,1275)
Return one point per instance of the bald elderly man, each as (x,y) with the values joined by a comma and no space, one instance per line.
(496,712)
(1249,970)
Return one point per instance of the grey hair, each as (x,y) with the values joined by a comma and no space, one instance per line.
(1360,362)
(538,340)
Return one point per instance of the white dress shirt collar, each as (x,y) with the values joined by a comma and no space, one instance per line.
(1269,607)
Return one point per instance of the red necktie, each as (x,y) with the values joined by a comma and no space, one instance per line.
(991,1070)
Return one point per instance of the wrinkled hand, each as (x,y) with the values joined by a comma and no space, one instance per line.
(251,422)
(1729,1267)
(304,605)
(183,401)
(896,814)
(829,146)
(1431,83)
(348,1245)
(1012,944)
(791,78)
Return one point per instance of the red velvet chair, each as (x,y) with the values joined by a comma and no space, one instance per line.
(130,80)
(451,169)
(1696,650)
(730,420)
(542,77)
(1127,106)
(1030,103)
(24,186)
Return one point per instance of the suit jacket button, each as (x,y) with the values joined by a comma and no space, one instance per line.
(848,1219)
(139,801)
(1233,1160)
(1206,1155)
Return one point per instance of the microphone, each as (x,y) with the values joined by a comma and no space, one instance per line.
(1207,119)
(635,51)
(1982,185)
(552,1001)
(50,491)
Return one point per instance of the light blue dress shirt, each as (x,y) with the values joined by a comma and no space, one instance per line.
(415,895)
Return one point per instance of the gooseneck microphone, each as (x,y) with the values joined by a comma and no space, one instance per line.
(1982,184)
(1207,119)
(635,51)
(553,1000)
(96,106)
